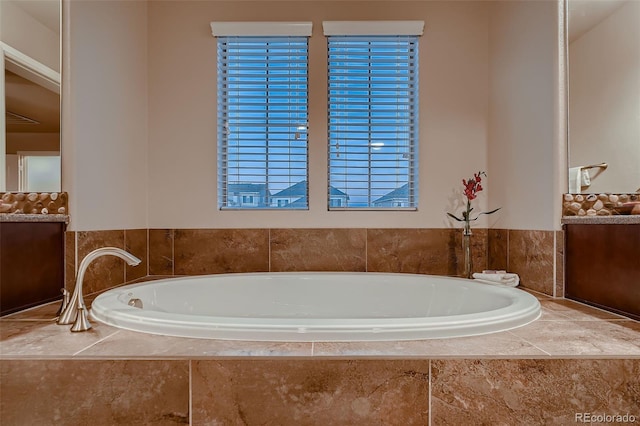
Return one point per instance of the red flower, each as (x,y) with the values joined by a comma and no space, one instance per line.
(471,189)
(472,186)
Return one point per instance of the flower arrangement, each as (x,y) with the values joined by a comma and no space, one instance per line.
(471,188)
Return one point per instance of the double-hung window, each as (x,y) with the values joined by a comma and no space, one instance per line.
(373,114)
(262,114)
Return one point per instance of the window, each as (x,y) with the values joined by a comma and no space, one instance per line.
(39,171)
(373,116)
(262,115)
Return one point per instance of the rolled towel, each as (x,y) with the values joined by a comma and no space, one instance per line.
(585,177)
(506,279)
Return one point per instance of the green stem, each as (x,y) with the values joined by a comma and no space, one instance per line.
(467,219)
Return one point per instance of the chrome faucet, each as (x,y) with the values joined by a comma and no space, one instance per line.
(76,311)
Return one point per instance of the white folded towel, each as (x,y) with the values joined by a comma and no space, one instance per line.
(578,177)
(575,180)
(506,279)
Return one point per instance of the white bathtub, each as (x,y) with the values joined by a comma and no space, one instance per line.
(316,306)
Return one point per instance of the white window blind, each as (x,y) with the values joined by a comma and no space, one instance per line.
(373,121)
(262,122)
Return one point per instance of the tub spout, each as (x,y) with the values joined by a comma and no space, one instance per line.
(75,311)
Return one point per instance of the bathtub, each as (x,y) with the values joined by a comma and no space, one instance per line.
(315,306)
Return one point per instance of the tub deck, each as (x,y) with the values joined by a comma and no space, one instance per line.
(574,359)
(566,329)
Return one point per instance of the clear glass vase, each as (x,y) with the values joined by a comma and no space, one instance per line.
(466,252)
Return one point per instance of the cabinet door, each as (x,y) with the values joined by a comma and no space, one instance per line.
(31,264)
(602,264)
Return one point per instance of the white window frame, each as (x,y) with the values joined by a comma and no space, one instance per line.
(285,157)
(342,175)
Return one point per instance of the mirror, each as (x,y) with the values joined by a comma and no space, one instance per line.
(603,53)
(30,90)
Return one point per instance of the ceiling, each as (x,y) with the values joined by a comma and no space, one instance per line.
(27,99)
(586,14)
(47,12)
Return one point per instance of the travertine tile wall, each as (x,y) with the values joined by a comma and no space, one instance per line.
(423,390)
(428,251)
(532,391)
(532,254)
(94,392)
(559,264)
(535,255)
(107,271)
(318,392)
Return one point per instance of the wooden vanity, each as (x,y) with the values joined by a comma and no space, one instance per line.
(602,262)
(31,260)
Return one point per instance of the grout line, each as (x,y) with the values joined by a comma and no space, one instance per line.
(96,342)
(124,247)
(190,392)
(313,348)
(366,250)
(173,251)
(75,257)
(430,394)
(529,342)
(269,248)
(508,248)
(555,261)
(147,252)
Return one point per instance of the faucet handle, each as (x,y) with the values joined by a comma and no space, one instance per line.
(82,322)
(65,301)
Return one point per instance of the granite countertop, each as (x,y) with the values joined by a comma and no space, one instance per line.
(4,217)
(599,220)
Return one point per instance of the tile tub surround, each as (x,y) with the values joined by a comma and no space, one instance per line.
(533,392)
(107,271)
(530,253)
(94,392)
(575,359)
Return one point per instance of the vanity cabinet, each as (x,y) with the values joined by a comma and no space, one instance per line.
(602,266)
(31,264)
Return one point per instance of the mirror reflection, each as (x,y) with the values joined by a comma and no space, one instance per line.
(32,136)
(30,51)
(604,96)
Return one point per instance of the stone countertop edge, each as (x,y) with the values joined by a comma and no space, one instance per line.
(5,217)
(600,220)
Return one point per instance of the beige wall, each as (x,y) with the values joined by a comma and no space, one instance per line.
(104,128)
(182,105)
(487,102)
(604,104)
(526,150)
